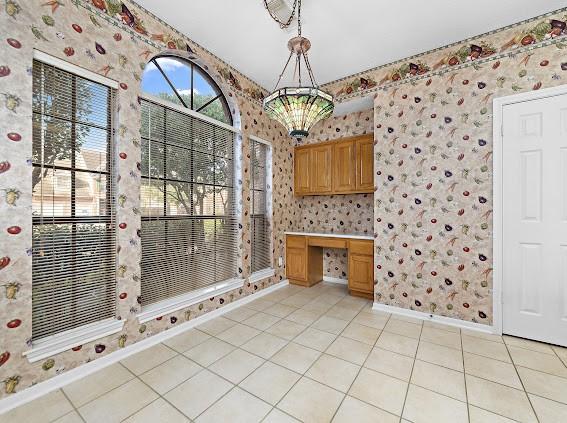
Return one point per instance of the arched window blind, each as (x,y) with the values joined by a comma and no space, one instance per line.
(73,240)
(260,207)
(189,222)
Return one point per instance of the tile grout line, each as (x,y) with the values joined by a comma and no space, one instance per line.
(411,374)
(264,361)
(374,346)
(72,405)
(465,377)
(102,394)
(302,375)
(557,355)
(162,397)
(222,377)
(359,310)
(360,367)
(521,381)
(158,394)
(388,315)
(134,376)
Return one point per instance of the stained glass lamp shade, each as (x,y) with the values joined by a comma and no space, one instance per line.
(298,109)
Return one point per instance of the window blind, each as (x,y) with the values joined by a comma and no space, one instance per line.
(73,239)
(189,222)
(260,222)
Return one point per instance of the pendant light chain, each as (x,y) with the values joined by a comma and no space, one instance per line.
(298,17)
(283,71)
(275,18)
(297,108)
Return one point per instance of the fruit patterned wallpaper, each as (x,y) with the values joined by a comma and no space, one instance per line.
(351,214)
(432,125)
(433,161)
(115,39)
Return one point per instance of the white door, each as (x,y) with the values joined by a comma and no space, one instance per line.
(535,219)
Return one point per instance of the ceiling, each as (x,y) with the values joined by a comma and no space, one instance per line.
(347,36)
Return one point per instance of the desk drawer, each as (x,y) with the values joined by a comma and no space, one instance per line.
(361,247)
(327,242)
(296,241)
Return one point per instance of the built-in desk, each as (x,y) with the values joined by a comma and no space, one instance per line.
(304,259)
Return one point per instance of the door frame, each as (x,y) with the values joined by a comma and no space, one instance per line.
(498,190)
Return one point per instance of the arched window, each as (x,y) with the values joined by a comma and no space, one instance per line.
(189,232)
(186,84)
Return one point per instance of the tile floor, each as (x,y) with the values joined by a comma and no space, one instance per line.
(319,355)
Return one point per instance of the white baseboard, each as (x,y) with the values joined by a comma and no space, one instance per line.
(434,318)
(59,381)
(335,280)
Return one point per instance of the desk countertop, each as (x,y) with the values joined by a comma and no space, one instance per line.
(332,235)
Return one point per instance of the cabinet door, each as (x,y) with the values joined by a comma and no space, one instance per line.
(344,167)
(296,264)
(360,273)
(321,169)
(301,171)
(365,164)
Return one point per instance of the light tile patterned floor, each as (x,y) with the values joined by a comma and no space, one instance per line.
(319,355)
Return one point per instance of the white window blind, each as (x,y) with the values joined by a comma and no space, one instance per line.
(260,221)
(73,242)
(189,222)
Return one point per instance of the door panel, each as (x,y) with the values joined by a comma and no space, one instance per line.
(301,171)
(296,264)
(365,164)
(344,167)
(361,276)
(531,185)
(321,168)
(562,279)
(563,156)
(531,264)
(535,220)
(360,273)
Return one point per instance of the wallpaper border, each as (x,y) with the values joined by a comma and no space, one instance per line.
(478,62)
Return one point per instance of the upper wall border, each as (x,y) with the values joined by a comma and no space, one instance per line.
(86,4)
(460,43)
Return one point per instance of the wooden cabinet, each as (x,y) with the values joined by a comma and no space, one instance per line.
(304,265)
(365,164)
(344,166)
(361,268)
(296,264)
(321,168)
(336,167)
(302,171)
(304,261)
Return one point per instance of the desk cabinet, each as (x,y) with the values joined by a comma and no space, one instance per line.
(304,265)
(361,275)
(304,261)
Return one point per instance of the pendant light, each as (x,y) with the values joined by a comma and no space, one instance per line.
(298,107)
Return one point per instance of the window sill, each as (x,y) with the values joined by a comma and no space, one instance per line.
(177,303)
(64,341)
(261,274)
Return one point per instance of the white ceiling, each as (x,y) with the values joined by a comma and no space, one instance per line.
(347,36)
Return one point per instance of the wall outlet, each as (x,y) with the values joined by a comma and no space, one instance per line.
(280,261)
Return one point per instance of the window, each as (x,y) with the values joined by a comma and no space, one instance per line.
(187,85)
(261,207)
(189,222)
(73,242)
